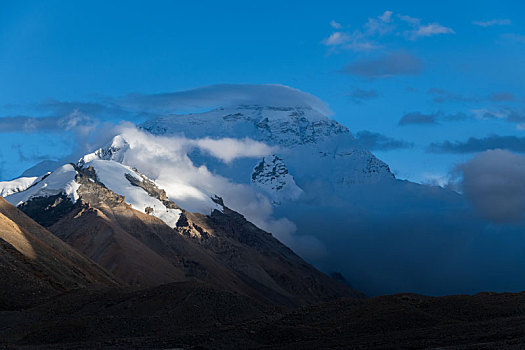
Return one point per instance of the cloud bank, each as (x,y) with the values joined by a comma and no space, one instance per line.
(494,184)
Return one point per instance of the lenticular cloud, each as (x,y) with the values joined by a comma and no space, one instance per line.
(225,95)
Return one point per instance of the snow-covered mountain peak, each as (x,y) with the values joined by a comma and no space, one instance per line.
(59,182)
(114,151)
(282,126)
(273,177)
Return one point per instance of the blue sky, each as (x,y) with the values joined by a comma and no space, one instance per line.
(431,75)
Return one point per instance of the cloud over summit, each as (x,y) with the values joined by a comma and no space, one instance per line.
(225,95)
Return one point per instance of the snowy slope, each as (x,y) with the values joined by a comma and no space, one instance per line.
(60,181)
(286,126)
(312,145)
(21,184)
(115,176)
(272,176)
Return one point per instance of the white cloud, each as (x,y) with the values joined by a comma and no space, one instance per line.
(428,30)
(386,16)
(337,39)
(165,160)
(335,25)
(380,25)
(228,149)
(410,20)
(493,22)
(378,28)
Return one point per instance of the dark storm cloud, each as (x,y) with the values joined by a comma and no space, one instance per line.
(359,95)
(392,64)
(494,184)
(473,145)
(379,142)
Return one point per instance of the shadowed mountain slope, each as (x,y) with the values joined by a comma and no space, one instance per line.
(222,249)
(35,264)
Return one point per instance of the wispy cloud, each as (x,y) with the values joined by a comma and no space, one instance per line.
(371,34)
(392,64)
(419,118)
(359,95)
(512,115)
(493,22)
(442,96)
(25,155)
(73,121)
(337,39)
(378,142)
(335,25)
(502,97)
(355,41)
(427,30)
(414,118)
(503,113)
(514,38)
(474,145)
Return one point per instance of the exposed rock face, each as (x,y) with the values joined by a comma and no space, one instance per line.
(47,210)
(35,264)
(297,129)
(258,258)
(272,175)
(153,190)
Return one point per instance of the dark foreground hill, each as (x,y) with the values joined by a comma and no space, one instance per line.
(192,315)
(53,297)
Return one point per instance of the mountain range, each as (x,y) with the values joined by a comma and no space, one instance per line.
(291,170)
(260,224)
